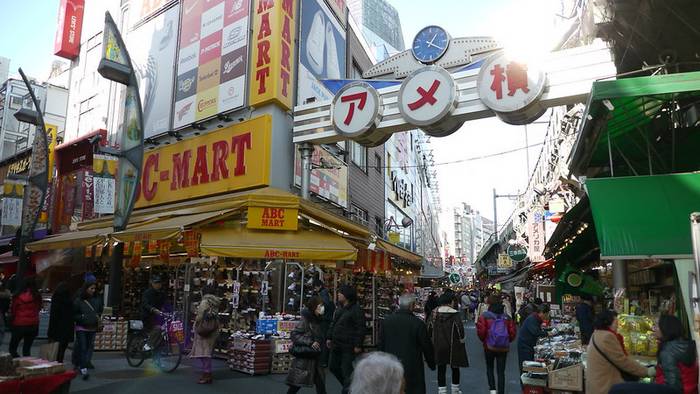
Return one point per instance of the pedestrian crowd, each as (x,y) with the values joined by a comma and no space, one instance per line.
(407,343)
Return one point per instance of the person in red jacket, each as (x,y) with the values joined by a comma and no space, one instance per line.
(24,310)
(496,330)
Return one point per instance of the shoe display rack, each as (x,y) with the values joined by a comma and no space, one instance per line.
(251,354)
(113,335)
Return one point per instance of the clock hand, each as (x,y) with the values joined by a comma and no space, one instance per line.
(431,41)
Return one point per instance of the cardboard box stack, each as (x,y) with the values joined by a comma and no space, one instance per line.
(114,334)
(250,354)
(281,359)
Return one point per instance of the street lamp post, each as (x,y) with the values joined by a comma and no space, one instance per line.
(37,182)
(116,66)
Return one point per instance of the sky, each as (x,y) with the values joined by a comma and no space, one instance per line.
(473,182)
(28,30)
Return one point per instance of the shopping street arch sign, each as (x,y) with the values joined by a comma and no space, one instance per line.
(473,79)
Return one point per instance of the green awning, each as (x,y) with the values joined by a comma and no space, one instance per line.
(644,216)
(639,114)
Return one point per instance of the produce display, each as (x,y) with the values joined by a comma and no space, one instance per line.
(638,334)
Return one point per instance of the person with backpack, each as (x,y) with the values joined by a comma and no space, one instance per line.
(496,330)
(206,328)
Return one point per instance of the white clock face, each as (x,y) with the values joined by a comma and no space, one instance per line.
(430,44)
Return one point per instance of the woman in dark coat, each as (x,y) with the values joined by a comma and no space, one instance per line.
(447,333)
(307,371)
(60,320)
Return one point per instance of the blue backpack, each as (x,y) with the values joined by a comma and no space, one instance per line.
(498,339)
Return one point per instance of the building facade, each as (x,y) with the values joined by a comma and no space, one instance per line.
(380,25)
(4,68)
(471,232)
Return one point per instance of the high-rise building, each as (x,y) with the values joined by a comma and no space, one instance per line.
(381,26)
(471,233)
(4,68)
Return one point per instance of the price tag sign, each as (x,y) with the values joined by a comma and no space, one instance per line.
(236,287)
(263,288)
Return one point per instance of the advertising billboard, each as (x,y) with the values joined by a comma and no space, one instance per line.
(321,51)
(232,158)
(145,8)
(212,59)
(273,53)
(70,25)
(152,48)
(330,184)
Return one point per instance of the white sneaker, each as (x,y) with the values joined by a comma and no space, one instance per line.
(442,390)
(455,389)
(147,348)
(492,391)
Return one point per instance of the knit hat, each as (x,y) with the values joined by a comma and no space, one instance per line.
(348,292)
(90,277)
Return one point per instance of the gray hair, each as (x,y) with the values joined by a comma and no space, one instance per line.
(377,373)
(406,300)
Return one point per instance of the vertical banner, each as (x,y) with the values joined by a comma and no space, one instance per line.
(321,51)
(212,59)
(272,69)
(105,171)
(12,203)
(191,242)
(88,196)
(164,249)
(136,254)
(152,47)
(70,25)
(536,236)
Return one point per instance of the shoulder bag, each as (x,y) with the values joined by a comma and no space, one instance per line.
(208,325)
(626,376)
(100,326)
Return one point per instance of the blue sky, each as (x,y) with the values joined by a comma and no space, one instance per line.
(28,35)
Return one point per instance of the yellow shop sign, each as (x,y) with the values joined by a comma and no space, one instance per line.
(233,158)
(270,218)
(272,64)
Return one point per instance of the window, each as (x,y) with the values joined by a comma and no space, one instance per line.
(15,102)
(379,226)
(358,155)
(356,71)
(359,215)
(378,162)
(388,165)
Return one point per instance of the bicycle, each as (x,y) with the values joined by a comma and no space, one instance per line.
(166,352)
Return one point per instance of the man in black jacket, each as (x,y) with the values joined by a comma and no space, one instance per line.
(345,335)
(326,319)
(405,336)
(152,304)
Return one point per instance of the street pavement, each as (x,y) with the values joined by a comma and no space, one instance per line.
(113,375)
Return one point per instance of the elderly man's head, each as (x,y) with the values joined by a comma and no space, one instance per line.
(378,373)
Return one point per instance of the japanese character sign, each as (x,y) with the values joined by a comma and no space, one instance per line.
(355,109)
(509,87)
(428,96)
(536,236)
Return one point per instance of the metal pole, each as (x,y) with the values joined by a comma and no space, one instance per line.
(495,214)
(306,150)
(115,276)
(612,170)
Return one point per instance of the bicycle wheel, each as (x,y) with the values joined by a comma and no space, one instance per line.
(134,349)
(167,356)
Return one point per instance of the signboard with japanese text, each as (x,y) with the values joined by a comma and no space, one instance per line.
(504,263)
(356,109)
(273,41)
(212,59)
(232,158)
(271,218)
(511,88)
(322,47)
(427,98)
(152,47)
(105,171)
(70,25)
(536,236)
(12,203)
(517,252)
(328,183)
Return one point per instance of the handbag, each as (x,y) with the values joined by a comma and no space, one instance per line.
(100,325)
(304,351)
(626,376)
(208,325)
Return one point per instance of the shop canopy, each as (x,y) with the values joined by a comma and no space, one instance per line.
(644,216)
(627,122)
(75,239)
(170,227)
(400,252)
(304,244)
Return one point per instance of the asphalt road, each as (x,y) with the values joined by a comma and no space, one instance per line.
(113,375)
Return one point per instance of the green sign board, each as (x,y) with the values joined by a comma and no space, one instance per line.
(454,278)
(517,252)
